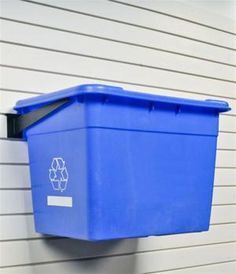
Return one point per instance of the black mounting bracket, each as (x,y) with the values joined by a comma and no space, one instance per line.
(16,123)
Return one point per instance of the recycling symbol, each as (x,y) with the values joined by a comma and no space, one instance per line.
(58,174)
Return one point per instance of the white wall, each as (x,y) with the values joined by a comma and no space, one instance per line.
(225,8)
(162,47)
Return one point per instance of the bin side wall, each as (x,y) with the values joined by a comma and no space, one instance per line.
(59,173)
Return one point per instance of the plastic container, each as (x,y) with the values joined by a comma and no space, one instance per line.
(107,163)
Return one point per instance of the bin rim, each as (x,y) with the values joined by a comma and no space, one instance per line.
(97,89)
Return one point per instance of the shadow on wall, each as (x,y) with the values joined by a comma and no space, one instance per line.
(94,257)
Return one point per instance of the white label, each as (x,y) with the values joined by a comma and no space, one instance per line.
(65,201)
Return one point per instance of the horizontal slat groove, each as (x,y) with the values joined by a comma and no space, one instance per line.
(117,61)
(74,266)
(52,238)
(190,267)
(224,185)
(99,257)
(34,93)
(173,16)
(121,32)
(116,41)
(222,149)
(128,24)
(12,189)
(224,204)
(227,131)
(223,223)
(226,167)
(32,239)
(14,164)
(104,79)
(11,139)
(26,228)
(17,214)
(229,114)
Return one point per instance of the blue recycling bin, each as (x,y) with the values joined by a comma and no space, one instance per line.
(108,163)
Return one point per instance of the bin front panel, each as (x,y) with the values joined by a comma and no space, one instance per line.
(162,184)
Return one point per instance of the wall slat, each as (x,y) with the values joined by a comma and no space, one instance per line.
(34,250)
(222,176)
(3,126)
(135,263)
(218,268)
(227,140)
(16,176)
(36,80)
(187,12)
(80,45)
(227,123)
(146,19)
(220,216)
(77,23)
(120,72)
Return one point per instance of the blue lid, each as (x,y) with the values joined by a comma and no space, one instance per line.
(76,91)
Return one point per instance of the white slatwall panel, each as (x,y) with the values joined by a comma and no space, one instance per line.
(25,34)
(146,19)
(228,267)
(221,216)
(43,60)
(186,12)
(36,252)
(142,262)
(155,46)
(109,29)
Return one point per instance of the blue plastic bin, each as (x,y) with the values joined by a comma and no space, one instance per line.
(107,163)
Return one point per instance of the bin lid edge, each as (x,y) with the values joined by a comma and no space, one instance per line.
(48,98)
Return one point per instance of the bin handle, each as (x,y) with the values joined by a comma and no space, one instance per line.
(16,123)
